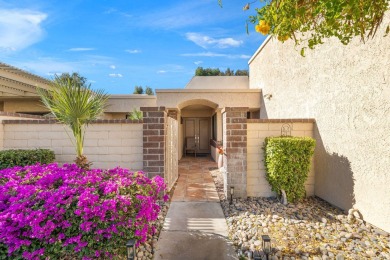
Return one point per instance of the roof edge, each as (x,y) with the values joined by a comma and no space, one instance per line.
(208,91)
(259,49)
(132,96)
(27,74)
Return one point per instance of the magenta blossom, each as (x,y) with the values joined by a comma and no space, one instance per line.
(47,211)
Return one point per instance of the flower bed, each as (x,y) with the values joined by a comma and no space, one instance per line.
(52,211)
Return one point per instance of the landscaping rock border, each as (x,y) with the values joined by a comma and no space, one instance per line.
(311,229)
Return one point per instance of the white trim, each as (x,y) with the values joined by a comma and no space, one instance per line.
(208,91)
(132,96)
(259,49)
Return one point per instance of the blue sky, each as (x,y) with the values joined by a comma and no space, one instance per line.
(117,44)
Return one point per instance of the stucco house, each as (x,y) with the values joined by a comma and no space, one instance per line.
(340,95)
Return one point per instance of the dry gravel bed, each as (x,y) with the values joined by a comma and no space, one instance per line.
(146,250)
(311,229)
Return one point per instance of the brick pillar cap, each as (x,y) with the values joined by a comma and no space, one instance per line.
(153,109)
(235,109)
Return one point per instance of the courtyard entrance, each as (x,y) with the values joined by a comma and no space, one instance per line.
(195,182)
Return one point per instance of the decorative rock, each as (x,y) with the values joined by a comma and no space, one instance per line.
(370,253)
(257,243)
(381,232)
(293,227)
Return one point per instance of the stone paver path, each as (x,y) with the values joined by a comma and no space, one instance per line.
(195,182)
(195,227)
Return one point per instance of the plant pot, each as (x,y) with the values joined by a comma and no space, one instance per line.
(220,161)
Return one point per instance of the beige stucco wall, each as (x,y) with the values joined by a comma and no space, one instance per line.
(23,106)
(218,82)
(106,145)
(126,103)
(347,90)
(171,98)
(257,184)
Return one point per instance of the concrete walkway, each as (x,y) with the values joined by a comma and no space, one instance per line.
(195,227)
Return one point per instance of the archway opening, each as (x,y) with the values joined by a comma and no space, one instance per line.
(198,127)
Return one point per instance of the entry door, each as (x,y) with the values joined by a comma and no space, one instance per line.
(200,129)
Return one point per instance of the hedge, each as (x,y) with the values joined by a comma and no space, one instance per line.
(287,161)
(11,158)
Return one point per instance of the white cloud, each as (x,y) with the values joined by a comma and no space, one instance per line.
(113,67)
(49,66)
(115,75)
(133,51)
(198,62)
(115,11)
(170,68)
(20,28)
(206,42)
(173,16)
(213,54)
(81,49)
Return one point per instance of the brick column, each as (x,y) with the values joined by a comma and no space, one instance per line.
(154,140)
(235,144)
(172,112)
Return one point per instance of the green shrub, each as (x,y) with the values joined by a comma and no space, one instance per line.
(11,158)
(287,162)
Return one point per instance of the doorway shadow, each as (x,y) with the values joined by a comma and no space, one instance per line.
(334,180)
(263,108)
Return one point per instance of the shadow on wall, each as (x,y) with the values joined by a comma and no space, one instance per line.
(334,181)
(263,108)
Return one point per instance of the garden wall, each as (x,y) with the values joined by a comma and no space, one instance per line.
(347,90)
(257,131)
(108,143)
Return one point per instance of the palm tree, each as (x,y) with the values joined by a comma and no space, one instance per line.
(135,115)
(74,104)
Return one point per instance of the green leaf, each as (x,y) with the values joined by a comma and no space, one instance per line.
(303,52)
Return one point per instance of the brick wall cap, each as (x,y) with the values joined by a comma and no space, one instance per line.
(282,120)
(53,121)
(235,109)
(154,109)
(3,113)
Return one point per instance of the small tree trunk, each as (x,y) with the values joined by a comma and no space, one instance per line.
(82,162)
(284,197)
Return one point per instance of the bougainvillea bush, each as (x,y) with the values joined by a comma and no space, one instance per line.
(49,211)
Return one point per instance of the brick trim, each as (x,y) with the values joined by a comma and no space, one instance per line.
(282,120)
(173,113)
(235,109)
(154,140)
(53,121)
(235,146)
(3,113)
(150,109)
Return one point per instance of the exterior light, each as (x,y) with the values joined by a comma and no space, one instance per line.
(231,194)
(130,246)
(266,245)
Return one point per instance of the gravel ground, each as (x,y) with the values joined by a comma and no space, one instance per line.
(311,229)
(146,250)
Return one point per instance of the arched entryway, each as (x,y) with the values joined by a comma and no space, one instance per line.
(198,127)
